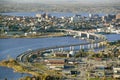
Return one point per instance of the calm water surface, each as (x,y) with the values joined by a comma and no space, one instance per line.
(14,47)
(57,14)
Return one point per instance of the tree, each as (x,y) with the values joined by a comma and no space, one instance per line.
(81,53)
(27,78)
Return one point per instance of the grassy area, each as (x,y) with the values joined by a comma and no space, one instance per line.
(40,66)
(19,68)
(42,35)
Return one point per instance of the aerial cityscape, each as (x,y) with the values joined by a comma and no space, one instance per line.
(60,40)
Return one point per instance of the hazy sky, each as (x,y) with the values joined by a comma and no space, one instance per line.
(65,1)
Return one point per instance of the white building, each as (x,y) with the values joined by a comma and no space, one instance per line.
(75,18)
(38,15)
(116,72)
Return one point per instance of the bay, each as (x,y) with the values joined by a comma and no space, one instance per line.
(10,48)
(57,14)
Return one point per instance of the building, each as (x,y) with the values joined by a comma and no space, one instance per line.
(55,64)
(61,54)
(116,72)
(103,18)
(111,16)
(118,16)
(100,70)
(90,15)
(38,15)
(76,18)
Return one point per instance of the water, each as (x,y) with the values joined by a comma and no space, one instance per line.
(9,74)
(14,47)
(113,37)
(57,14)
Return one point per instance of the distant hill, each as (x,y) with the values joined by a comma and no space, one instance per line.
(68,6)
(81,2)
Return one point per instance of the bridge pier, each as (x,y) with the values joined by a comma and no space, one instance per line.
(88,46)
(60,49)
(102,44)
(52,50)
(92,45)
(95,38)
(68,55)
(98,45)
(83,46)
(88,35)
(80,47)
(71,48)
(95,45)
(79,34)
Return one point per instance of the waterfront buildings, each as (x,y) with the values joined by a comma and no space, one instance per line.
(116,72)
(118,16)
(46,23)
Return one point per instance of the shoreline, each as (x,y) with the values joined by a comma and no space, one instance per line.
(13,64)
(45,35)
(17,67)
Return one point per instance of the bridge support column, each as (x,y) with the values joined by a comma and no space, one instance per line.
(88,35)
(102,44)
(61,49)
(79,34)
(92,45)
(95,38)
(88,46)
(95,45)
(83,46)
(68,55)
(80,47)
(52,50)
(98,45)
(71,48)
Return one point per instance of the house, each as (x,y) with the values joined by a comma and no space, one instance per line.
(75,72)
(116,72)
(55,64)
(100,70)
(61,54)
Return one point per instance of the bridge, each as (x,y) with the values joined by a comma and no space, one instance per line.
(88,45)
(97,41)
(86,35)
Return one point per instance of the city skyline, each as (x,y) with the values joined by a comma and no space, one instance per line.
(66,1)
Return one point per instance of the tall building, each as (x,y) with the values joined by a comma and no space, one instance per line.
(76,18)
(111,16)
(38,15)
(118,16)
(90,15)
(103,18)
